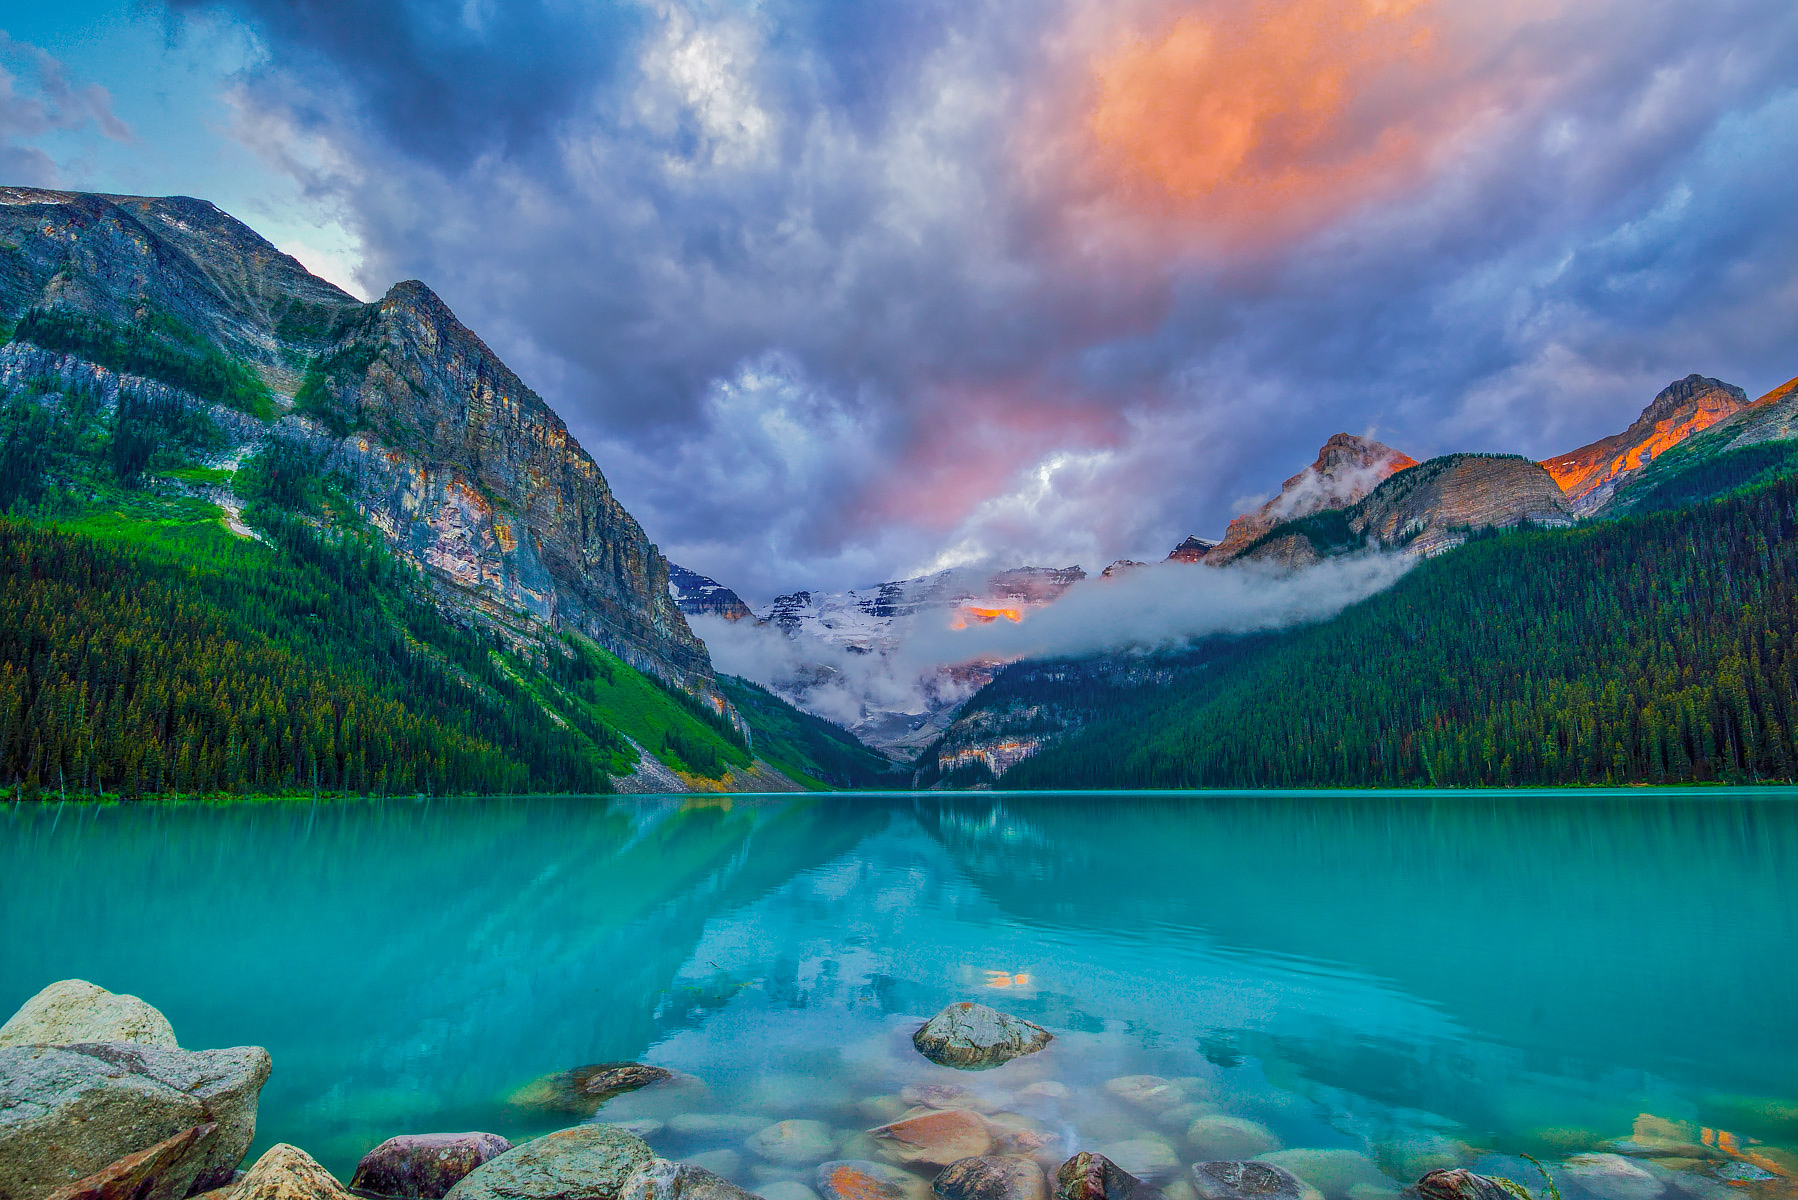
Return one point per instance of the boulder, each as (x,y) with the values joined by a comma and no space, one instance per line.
(974,1037)
(935,1138)
(1088,1176)
(587,1162)
(288,1173)
(582,1090)
(423,1166)
(937,1095)
(1147,1091)
(1216,1137)
(1332,1172)
(1146,1158)
(859,1179)
(786,1189)
(795,1143)
(725,1126)
(66,1112)
(165,1171)
(1613,1177)
(992,1178)
(75,1011)
(663,1180)
(1461,1184)
(1045,1092)
(1229,1180)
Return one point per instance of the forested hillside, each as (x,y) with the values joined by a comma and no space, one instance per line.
(1655,649)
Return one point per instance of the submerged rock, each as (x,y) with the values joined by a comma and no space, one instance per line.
(992,1178)
(859,1179)
(423,1166)
(164,1171)
(1232,1180)
(786,1189)
(1613,1177)
(74,1011)
(288,1173)
(937,1095)
(588,1162)
(731,1126)
(794,1143)
(1145,1158)
(973,1037)
(663,1180)
(1459,1183)
(1215,1137)
(727,1163)
(1088,1176)
(583,1090)
(67,1112)
(1147,1091)
(936,1138)
(1332,1172)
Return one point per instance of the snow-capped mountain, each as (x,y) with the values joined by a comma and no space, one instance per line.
(698,596)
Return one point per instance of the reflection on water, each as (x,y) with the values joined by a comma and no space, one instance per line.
(1402,981)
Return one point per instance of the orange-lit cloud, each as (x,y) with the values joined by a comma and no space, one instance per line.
(1264,116)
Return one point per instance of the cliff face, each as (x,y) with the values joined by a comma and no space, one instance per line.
(464,470)
(1347,468)
(1191,550)
(1432,507)
(1591,475)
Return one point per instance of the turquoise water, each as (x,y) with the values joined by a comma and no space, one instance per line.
(1404,976)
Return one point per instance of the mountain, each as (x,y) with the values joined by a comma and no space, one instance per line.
(1191,550)
(462,468)
(265,537)
(846,658)
(1593,473)
(697,596)
(1347,468)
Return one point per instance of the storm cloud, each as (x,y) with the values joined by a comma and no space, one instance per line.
(839,291)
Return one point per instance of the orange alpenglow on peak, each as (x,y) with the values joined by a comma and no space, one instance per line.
(1191,550)
(1591,474)
(1346,470)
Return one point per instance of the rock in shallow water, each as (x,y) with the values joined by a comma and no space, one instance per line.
(288,1173)
(859,1179)
(1088,1176)
(1613,1177)
(663,1180)
(936,1138)
(992,1178)
(1145,1158)
(1461,1184)
(786,1189)
(973,1037)
(165,1171)
(1248,1181)
(588,1162)
(423,1166)
(74,1011)
(727,1163)
(1332,1172)
(1147,1091)
(583,1090)
(69,1111)
(1220,1137)
(795,1143)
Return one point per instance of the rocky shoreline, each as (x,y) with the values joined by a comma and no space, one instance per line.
(99,1102)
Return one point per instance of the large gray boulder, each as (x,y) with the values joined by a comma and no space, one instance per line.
(74,1011)
(1462,1184)
(992,1177)
(588,1162)
(68,1111)
(973,1037)
(423,1166)
(1089,1176)
(164,1171)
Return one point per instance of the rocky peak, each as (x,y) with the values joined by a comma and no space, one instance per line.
(698,596)
(1591,474)
(1347,468)
(1192,549)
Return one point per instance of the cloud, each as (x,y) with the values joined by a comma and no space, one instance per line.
(37,98)
(837,290)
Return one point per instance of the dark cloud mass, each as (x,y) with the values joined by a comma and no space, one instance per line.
(839,290)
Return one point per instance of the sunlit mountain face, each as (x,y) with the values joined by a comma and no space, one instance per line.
(842,293)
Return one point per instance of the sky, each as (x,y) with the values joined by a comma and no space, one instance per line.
(838,291)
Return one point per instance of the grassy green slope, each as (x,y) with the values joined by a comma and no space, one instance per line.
(1661,648)
(807,748)
(144,649)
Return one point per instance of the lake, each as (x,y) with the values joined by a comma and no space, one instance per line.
(1416,978)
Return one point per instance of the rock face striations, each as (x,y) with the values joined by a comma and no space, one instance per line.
(464,470)
(1347,468)
(1592,474)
